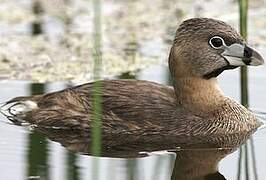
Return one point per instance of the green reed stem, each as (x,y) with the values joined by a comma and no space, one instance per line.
(37,151)
(246,160)
(72,168)
(97,86)
(243,7)
(243,11)
(37,25)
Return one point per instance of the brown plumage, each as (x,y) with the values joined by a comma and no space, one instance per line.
(146,116)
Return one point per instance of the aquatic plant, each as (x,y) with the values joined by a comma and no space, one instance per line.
(97,99)
(249,145)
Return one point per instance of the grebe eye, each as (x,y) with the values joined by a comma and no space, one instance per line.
(216,42)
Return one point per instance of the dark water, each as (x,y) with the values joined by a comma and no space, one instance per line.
(25,154)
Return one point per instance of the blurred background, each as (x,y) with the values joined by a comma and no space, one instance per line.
(47,45)
(52,40)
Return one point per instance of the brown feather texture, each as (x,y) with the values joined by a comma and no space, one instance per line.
(146,116)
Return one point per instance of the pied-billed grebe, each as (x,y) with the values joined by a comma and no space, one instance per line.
(153,115)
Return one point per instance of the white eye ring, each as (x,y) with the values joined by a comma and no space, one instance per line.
(218,44)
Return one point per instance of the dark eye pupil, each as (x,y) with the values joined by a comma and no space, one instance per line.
(217,42)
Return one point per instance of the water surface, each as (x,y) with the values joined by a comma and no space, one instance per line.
(27,154)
